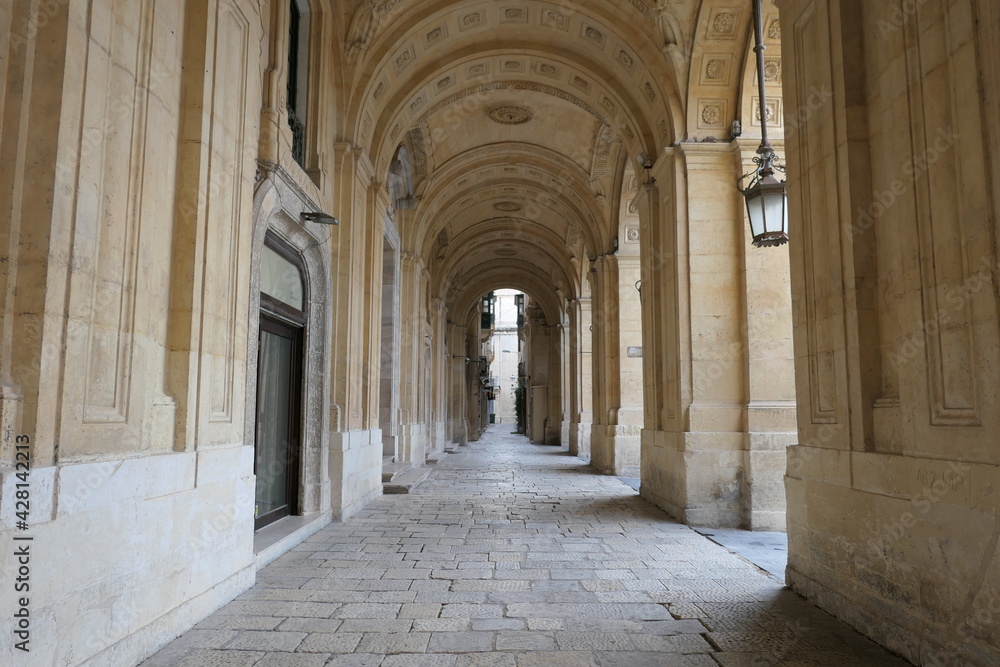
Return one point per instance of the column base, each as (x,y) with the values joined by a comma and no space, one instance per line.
(695,477)
(412,443)
(616,449)
(355,471)
(579,439)
(764,463)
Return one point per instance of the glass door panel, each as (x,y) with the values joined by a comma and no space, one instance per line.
(277,422)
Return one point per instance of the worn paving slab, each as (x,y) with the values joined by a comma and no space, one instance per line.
(517,555)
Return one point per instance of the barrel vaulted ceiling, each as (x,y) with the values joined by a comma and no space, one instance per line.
(522,118)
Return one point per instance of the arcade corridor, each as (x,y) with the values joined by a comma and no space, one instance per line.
(517,554)
(251,253)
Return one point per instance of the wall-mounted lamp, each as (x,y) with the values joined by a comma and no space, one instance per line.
(644,160)
(459,356)
(319,217)
(766,196)
(614,244)
(638,287)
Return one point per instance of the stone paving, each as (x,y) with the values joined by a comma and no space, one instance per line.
(516,555)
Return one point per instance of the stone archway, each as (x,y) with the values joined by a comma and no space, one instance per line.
(277,209)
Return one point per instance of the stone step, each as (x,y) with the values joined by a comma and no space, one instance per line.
(393,469)
(434,459)
(408,480)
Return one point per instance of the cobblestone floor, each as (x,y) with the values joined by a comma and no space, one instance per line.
(516,555)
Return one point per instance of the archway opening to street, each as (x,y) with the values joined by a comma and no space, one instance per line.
(506,375)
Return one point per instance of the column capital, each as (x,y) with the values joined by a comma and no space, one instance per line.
(412,260)
(707,156)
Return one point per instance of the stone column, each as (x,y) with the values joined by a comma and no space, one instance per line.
(691,226)
(412,429)
(537,371)
(630,402)
(439,367)
(526,342)
(457,352)
(355,458)
(565,371)
(580,360)
(354,174)
(769,368)
(662,469)
(553,420)
(604,287)
(473,389)
(374,239)
(712,388)
(615,439)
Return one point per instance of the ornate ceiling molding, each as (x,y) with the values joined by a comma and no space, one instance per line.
(510,115)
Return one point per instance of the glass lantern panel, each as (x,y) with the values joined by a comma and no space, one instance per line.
(755,209)
(774,205)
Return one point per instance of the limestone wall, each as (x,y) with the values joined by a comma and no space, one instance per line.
(893,487)
(131,356)
(138,185)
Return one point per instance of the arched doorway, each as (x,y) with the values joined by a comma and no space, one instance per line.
(277,442)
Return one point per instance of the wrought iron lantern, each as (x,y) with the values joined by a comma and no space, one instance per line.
(767,205)
(766,196)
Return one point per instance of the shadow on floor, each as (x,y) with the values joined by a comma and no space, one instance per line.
(766,550)
(631,481)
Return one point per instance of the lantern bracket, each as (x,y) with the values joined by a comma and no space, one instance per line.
(763,162)
(764,188)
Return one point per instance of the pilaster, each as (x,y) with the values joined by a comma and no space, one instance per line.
(412,446)
(456,354)
(581,361)
(615,433)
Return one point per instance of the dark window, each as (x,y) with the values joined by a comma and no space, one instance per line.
(487,318)
(295,114)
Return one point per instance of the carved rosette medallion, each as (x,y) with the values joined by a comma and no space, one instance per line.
(510,115)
